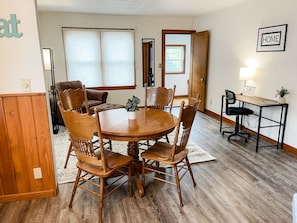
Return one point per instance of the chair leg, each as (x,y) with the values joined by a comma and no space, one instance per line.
(237,132)
(101,198)
(129,179)
(68,155)
(74,188)
(110,145)
(178,185)
(236,124)
(142,172)
(190,170)
(167,139)
(148,143)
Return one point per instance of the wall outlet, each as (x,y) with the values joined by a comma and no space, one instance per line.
(26,85)
(37,173)
(210,102)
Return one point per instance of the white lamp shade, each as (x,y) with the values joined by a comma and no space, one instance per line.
(246,73)
(47,59)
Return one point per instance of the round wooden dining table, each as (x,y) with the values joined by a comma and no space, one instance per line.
(149,124)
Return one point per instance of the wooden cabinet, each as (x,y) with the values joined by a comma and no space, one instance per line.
(25,143)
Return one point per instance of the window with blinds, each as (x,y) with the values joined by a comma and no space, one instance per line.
(100,57)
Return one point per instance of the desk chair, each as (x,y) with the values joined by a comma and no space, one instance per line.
(230,98)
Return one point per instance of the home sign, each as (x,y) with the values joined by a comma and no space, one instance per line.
(9,28)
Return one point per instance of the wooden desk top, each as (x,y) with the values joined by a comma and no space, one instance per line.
(149,124)
(258,101)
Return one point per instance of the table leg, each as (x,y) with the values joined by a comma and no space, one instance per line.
(259,128)
(136,169)
(221,118)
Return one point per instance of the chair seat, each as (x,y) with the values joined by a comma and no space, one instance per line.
(239,111)
(93,103)
(161,152)
(114,162)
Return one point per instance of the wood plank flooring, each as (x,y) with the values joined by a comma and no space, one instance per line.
(240,186)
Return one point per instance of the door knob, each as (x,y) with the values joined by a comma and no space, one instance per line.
(201,79)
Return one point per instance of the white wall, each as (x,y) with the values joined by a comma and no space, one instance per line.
(233,39)
(21,57)
(180,80)
(146,27)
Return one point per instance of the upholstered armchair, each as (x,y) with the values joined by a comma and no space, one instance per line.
(94,97)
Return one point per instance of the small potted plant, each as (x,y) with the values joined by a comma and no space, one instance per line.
(281,94)
(131,107)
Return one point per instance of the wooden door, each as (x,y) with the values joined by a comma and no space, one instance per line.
(145,62)
(199,62)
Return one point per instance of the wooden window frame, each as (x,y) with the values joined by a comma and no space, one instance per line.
(182,60)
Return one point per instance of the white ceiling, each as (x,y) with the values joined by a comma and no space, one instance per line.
(139,7)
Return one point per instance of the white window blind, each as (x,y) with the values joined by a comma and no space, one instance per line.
(100,58)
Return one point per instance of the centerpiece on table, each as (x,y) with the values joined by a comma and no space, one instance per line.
(131,107)
(281,94)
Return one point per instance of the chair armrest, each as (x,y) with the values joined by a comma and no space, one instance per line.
(97,95)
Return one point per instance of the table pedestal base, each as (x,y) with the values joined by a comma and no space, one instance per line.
(133,151)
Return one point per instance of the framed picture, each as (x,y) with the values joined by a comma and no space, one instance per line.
(272,38)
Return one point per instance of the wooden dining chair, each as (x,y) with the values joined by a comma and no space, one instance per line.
(74,99)
(103,163)
(193,100)
(174,155)
(158,98)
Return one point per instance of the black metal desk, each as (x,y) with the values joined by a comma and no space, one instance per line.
(262,103)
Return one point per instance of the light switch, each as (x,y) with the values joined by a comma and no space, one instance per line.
(26,85)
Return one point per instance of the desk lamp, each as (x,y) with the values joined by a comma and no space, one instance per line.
(245,74)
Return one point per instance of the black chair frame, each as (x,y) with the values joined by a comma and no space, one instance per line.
(230,98)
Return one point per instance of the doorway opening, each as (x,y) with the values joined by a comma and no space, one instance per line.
(177,38)
(195,83)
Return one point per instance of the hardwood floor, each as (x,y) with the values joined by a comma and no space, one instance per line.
(240,186)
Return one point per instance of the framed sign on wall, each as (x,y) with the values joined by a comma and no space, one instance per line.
(272,38)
